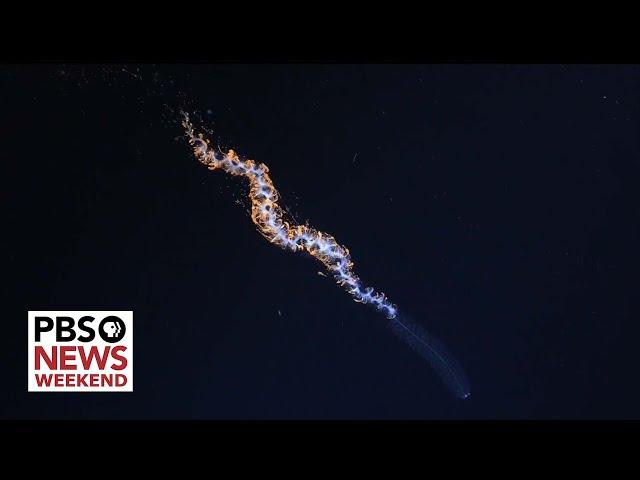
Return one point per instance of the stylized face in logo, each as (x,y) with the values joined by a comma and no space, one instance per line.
(112,329)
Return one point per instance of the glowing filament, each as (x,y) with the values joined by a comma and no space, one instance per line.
(269,218)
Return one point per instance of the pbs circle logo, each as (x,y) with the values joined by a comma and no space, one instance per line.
(112,329)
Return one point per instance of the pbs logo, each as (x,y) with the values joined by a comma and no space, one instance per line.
(85,328)
(112,329)
(80,351)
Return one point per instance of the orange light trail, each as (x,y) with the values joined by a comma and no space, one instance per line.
(268,217)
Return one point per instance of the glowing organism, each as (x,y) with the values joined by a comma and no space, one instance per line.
(268,217)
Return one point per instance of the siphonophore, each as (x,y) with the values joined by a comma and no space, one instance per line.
(270,221)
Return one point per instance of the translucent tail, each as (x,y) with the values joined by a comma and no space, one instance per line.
(434,351)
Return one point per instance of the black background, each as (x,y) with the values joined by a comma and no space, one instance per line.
(497,205)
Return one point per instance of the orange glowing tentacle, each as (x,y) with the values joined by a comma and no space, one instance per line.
(269,219)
